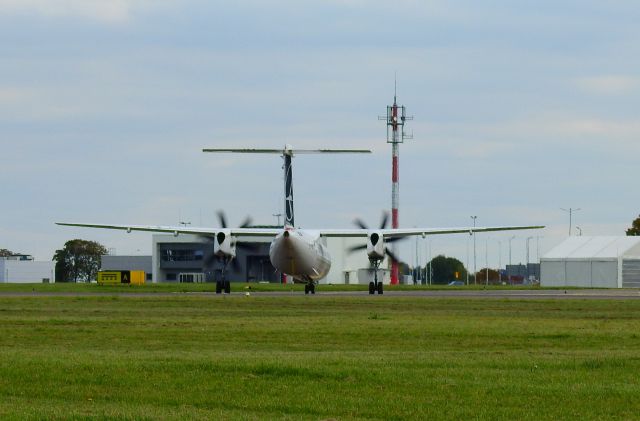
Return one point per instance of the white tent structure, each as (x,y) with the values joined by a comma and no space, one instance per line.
(593,262)
(26,271)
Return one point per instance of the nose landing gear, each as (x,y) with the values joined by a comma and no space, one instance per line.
(224,285)
(375,286)
(310,288)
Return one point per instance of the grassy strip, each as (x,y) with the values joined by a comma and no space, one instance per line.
(235,287)
(236,357)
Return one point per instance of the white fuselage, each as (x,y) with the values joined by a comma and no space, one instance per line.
(300,254)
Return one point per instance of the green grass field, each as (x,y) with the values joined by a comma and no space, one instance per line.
(320,357)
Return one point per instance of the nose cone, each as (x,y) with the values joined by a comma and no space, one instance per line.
(280,251)
(288,253)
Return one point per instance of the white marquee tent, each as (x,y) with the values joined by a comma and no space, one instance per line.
(598,262)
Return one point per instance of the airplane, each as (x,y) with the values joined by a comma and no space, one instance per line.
(299,253)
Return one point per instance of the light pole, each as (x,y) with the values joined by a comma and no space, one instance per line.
(538,237)
(528,238)
(474,249)
(417,265)
(486,260)
(509,271)
(467,261)
(430,263)
(427,267)
(570,211)
(277,215)
(499,262)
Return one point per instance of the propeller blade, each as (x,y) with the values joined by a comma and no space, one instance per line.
(246,223)
(359,223)
(392,256)
(385,220)
(235,266)
(356,248)
(223,219)
(394,239)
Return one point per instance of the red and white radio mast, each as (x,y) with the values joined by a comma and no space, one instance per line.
(395,136)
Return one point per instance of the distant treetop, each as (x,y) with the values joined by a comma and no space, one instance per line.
(635,227)
(6,253)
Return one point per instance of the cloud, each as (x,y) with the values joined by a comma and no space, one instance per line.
(548,128)
(108,11)
(609,84)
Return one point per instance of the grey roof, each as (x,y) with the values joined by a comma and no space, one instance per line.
(610,247)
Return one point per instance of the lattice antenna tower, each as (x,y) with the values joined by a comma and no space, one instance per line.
(395,118)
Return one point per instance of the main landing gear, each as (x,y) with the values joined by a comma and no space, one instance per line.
(310,288)
(375,286)
(224,285)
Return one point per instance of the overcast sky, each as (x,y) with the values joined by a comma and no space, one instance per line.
(520,108)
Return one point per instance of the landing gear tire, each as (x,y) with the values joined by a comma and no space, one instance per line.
(218,287)
(312,288)
(227,287)
(372,288)
(306,289)
(380,289)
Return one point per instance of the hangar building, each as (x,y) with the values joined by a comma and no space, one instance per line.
(593,262)
(24,269)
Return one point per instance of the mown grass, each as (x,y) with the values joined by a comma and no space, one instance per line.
(322,357)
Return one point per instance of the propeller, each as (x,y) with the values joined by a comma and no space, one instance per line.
(250,247)
(222,218)
(245,224)
(384,220)
(211,258)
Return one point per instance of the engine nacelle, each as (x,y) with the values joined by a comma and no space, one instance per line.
(224,244)
(375,246)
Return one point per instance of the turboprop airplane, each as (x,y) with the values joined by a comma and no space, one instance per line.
(300,253)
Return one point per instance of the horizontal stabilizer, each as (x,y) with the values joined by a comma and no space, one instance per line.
(284,151)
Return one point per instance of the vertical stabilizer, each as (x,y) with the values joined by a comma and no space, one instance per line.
(288,191)
(287,154)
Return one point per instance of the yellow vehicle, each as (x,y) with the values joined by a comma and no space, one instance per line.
(116,277)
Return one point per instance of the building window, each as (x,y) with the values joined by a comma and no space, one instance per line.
(181,255)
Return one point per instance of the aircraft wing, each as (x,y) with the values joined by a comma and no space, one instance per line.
(261,232)
(406,232)
(272,232)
